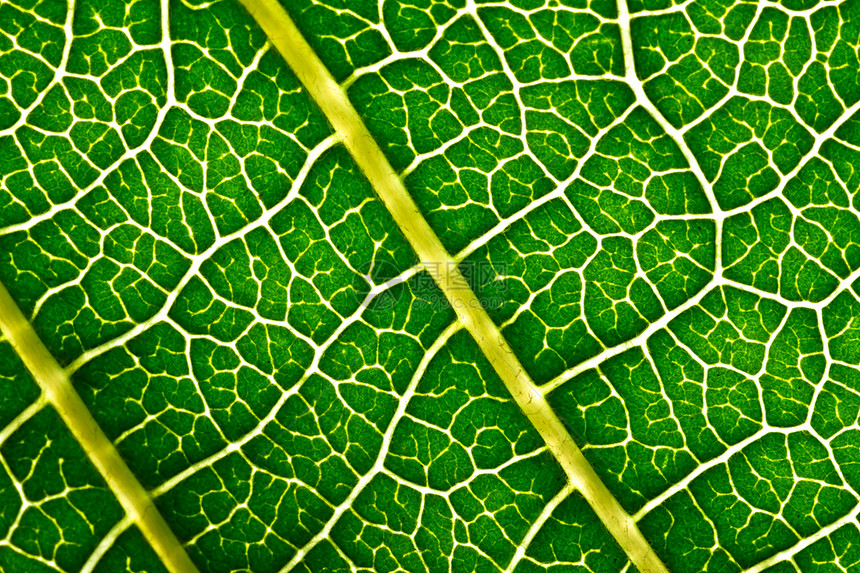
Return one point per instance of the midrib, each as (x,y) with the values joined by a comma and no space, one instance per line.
(284,35)
(60,393)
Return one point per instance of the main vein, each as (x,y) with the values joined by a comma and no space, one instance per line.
(333,101)
(59,391)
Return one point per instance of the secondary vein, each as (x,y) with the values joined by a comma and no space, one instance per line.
(334,103)
(59,391)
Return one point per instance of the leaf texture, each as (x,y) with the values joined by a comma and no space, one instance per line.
(654,204)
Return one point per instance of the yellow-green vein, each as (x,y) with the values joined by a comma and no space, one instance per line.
(333,101)
(60,393)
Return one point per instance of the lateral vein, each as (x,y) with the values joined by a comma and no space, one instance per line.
(332,100)
(60,393)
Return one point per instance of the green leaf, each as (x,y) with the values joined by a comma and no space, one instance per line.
(429,285)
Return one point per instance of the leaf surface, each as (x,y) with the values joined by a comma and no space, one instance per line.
(652,207)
